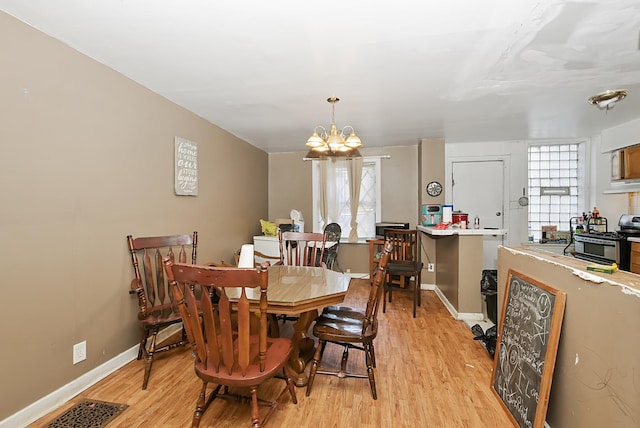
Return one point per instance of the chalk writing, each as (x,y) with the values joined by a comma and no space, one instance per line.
(523,348)
(186,167)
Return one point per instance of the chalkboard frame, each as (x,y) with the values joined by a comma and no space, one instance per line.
(552,317)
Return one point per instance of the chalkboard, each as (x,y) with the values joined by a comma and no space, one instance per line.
(526,349)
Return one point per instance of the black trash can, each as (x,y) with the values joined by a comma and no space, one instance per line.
(489,289)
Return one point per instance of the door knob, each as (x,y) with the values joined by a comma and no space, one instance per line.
(498,214)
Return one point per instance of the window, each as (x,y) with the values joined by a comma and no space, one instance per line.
(339,201)
(556,174)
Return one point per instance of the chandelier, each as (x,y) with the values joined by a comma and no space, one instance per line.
(323,143)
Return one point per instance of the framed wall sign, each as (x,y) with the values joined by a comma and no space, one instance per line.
(186,167)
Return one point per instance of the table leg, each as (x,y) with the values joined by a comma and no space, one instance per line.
(303,347)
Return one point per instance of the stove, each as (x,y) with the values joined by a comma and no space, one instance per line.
(609,247)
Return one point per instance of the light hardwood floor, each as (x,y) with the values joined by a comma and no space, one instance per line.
(430,373)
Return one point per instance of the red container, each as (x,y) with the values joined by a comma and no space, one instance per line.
(459,216)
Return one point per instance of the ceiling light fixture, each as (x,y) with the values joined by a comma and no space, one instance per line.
(608,99)
(325,143)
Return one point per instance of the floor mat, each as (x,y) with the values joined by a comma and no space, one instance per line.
(88,414)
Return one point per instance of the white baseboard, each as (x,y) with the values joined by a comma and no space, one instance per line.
(57,398)
(470,316)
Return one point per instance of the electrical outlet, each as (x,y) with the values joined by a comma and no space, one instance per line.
(79,352)
(431,267)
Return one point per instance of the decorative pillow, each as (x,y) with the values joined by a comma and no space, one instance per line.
(268,228)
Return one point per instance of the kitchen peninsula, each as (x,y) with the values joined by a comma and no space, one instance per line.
(457,254)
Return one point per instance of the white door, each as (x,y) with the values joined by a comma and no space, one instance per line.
(478,189)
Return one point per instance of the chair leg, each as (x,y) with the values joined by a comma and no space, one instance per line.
(417,295)
(373,355)
(369,359)
(149,359)
(200,406)
(255,409)
(143,343)
(314,366)
(290,384)
(343,362)
(385,287)
(273,327)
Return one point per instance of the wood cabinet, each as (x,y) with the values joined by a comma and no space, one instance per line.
(635,257)
(631,161)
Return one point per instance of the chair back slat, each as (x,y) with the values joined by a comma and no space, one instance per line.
(302,249)
(225,334)
(159,271)
(377,289)
(207,309)
(149,285)
(243,332)
(191,320)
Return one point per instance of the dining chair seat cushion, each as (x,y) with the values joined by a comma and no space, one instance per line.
(346,329)
(345,313)
(404,267)
(276,347)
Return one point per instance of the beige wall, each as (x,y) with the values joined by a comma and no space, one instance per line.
(88,158)
(431,168)
(596,378)
(290,188)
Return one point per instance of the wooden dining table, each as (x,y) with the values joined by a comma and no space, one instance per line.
(302,291)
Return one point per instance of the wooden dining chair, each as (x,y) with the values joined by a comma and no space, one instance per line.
(156,307)
(352,329)
(228,350)
(404,269)
(334,232)
(302,248)
(299,249)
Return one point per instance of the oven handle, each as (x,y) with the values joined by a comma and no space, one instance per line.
(605,242)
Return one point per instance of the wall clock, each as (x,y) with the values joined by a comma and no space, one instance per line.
(434,188)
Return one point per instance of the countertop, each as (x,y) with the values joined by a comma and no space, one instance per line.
(450,232)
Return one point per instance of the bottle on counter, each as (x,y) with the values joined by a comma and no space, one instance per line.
(530,235)
(476,222)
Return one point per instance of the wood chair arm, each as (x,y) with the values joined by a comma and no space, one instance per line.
(136,286)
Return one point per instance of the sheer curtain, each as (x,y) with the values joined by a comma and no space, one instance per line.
(339,178)
(354,172)
(329,203)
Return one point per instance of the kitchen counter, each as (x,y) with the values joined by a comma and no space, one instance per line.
(451,231)
(458,255)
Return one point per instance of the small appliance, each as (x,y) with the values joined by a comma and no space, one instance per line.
(431,215)
(459,217)
(380,227)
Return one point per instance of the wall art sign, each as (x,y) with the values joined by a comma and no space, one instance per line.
(186,167)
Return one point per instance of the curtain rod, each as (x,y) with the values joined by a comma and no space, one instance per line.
(338,157)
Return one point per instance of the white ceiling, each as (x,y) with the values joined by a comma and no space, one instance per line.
(466,70)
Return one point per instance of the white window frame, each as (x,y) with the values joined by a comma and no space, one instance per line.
(584,151)
(315,182)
